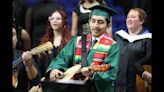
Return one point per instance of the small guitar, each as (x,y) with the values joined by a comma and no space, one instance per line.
(35,51)
(141,84)
(77,69)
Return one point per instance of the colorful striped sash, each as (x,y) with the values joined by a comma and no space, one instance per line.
(102,49)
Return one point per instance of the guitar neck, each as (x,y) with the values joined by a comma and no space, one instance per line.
(100,68)
(17,61)
(37,50)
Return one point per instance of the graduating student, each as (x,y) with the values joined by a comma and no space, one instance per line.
(104,51)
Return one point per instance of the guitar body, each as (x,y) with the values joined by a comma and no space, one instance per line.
(140,83)
(78,76)
(14,80)
(75,72)
(69,74)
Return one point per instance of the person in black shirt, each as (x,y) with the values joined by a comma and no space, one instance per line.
(37,18)
(58,34)
(24,40)
(80,15)
(25,72)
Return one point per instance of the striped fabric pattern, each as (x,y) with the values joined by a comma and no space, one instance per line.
(101,47)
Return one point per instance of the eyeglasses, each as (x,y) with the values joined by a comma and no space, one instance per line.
(52,18)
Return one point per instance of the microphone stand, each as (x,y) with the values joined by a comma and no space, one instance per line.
(146,85)
(84,49)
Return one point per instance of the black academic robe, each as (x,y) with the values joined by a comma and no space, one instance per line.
(132,49)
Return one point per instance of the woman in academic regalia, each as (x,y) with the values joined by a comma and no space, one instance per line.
(135,45)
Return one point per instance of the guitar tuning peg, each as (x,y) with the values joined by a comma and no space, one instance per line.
(49,51)
(44,52)
(39,55)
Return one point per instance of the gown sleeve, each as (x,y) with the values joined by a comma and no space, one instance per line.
(64,58)
(103,78)
(146,60)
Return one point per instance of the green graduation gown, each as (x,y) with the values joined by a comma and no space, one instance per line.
(104,81)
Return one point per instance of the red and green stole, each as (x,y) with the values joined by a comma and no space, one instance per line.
(102,49)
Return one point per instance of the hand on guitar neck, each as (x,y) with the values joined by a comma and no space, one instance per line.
(89,71)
